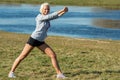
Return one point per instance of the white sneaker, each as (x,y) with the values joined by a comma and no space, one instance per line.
(11,75)
(61,76)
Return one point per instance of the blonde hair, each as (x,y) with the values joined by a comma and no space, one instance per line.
(42,5)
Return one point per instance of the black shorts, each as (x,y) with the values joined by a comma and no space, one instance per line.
(34,42)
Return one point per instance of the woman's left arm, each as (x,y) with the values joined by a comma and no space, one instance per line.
(53,15)
(63,11)
(48,17)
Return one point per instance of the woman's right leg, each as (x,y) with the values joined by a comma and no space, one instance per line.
(24,54)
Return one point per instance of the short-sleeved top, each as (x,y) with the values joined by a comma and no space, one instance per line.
(42,25)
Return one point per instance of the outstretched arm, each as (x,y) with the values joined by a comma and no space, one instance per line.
(53,15)
(63,11)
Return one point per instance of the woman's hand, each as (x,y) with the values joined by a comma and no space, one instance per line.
(63,11)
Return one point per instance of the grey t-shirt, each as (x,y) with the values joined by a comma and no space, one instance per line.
(42,25)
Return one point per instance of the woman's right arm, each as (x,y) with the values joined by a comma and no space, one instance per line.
(63,11)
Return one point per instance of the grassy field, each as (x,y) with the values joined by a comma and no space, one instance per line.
(103,3)
(80,59)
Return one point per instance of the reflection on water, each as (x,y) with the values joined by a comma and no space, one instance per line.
(79,22)
(107,23)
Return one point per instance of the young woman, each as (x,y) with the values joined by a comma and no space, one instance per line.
(37,39)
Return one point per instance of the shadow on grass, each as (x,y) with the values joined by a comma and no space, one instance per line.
(83,52)
(92,72)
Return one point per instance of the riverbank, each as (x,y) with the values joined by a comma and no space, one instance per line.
(79,58)
(114,4)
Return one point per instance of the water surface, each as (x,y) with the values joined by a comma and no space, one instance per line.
(79,22)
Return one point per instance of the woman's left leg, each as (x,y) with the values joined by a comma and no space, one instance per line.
(48,50)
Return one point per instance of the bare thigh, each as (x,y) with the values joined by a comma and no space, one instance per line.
(47,49)
(27,49)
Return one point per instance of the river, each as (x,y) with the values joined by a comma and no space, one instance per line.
(79,22)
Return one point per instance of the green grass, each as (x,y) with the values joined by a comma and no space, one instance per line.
(102,3)
(80,59)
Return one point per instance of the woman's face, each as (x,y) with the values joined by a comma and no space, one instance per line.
(45,10)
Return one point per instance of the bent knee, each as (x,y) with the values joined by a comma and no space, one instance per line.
(53,55)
